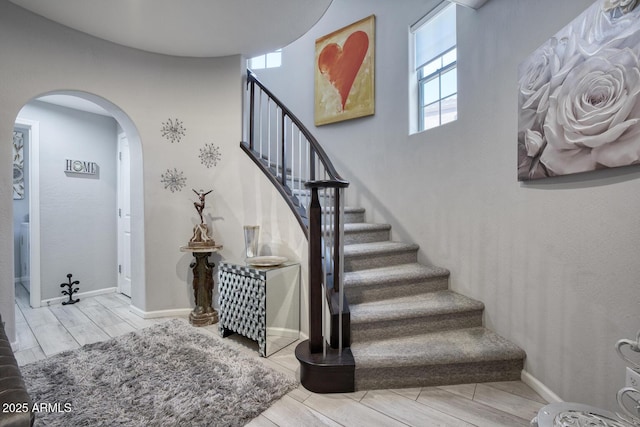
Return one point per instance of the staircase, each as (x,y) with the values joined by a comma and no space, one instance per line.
(407,328)
(397,324)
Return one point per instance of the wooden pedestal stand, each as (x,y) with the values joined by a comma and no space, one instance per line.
(203,314)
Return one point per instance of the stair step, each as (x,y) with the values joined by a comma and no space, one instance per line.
(364,256)
(363,232)
(414,315)
(352,215)
(447,357)
(387,282)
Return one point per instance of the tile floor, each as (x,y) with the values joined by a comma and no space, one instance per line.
(45,331)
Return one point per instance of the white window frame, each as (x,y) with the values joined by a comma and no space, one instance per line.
(416,80)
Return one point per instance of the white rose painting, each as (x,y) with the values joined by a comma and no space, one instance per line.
(579,95)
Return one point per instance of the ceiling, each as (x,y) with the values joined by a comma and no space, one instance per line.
(198,28)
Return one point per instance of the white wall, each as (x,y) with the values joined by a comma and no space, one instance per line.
(77,212)
(146,90)
(555,261)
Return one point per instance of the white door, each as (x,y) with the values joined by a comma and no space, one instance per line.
(124,216)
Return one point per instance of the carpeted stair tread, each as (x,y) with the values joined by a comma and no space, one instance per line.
(377,248)
(391,275)
(351,214)
(362,256)
(460,346)
(357,227)
(414,306)
(364,232)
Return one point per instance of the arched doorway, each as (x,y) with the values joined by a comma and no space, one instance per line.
(127,131)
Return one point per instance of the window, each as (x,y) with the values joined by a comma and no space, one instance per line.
(269,60)
(436,77)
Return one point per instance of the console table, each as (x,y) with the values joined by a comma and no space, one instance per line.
(260,303)
(203,314)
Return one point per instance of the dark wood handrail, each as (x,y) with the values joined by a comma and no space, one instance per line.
(302,172)
(317,148)
(335,183)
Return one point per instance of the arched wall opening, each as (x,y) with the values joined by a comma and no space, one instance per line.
(129,129)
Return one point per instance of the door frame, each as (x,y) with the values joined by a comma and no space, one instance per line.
(120,202)
(32,128)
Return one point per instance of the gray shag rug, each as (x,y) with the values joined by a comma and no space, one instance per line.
(170,374)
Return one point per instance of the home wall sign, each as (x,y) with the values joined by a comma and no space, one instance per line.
(579,95)
(81,167)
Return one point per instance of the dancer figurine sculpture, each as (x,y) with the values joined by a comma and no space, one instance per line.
(201,236)
(200,206)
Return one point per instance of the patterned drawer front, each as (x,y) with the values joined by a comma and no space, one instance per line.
(243,303)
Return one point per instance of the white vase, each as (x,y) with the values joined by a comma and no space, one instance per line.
(251,233)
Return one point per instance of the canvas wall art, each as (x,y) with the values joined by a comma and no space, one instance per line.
(579,95)
(344,73)
(18,165)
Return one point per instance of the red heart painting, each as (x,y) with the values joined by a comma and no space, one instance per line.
(340,65)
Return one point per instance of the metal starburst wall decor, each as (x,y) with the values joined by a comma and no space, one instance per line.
(210,155)
(173,130)
(173,180)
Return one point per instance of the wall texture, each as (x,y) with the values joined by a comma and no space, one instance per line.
(146,90)
(77,212)
(555,262)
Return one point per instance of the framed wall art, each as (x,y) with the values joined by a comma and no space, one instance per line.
(579,95)
(18,166)
(344,73)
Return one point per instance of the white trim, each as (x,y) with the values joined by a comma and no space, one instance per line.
(33,129)
(178,312)
(431,14)
(81,295)
(537,386)
(473,4)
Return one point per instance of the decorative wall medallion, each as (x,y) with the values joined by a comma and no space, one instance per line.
(172,130)
(18,166)
(210,155)
(173,180)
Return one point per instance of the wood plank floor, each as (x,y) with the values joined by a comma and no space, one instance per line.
(45,331)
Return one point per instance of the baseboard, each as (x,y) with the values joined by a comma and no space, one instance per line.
(179,312)
(60,300)
(537,386)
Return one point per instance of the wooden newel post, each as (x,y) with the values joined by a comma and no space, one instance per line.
(315,273)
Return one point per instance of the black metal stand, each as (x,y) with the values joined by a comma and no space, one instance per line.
(71,290)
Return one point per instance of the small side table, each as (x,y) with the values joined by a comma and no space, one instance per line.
(260,303)
(203,314)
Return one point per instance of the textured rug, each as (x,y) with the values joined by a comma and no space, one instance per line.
(170,374)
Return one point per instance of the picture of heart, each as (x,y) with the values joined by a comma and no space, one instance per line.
(340,65)
(344,73)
